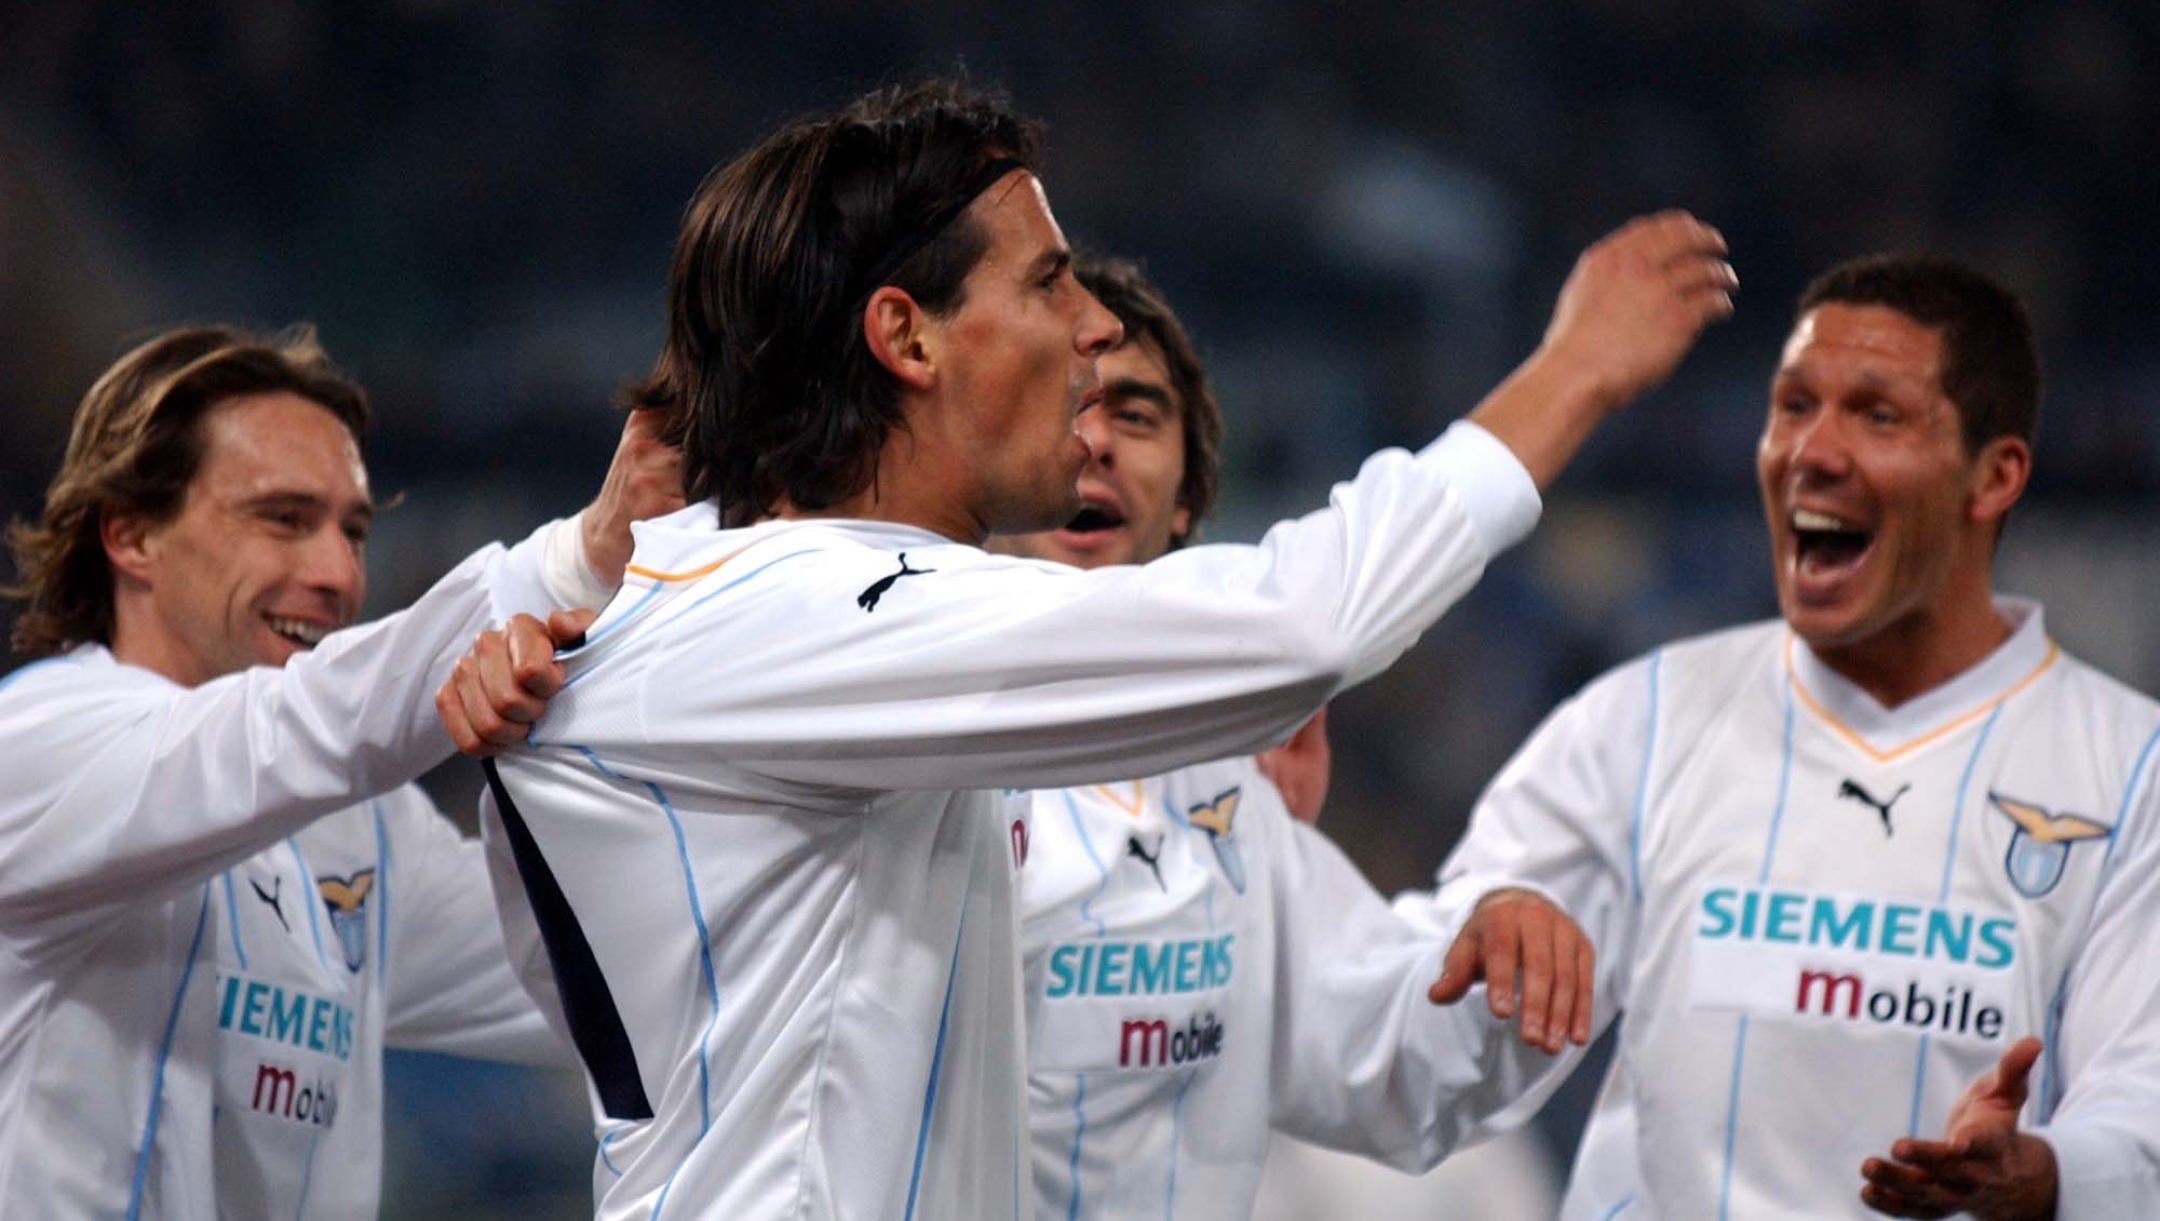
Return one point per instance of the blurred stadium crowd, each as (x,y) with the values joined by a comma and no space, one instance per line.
(1360,209)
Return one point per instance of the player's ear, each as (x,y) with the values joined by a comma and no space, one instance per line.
(902,337)
(1999,473)
(130,542)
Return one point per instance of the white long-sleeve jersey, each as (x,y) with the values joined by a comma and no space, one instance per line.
(763,847)
(1824,918)
(1202,968)
(197,976)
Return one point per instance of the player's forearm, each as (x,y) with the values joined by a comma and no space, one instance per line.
(1544,411)
(143,798)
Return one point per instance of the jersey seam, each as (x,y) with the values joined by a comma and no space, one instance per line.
(832,1004)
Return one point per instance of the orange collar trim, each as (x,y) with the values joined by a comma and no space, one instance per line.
(1955,723)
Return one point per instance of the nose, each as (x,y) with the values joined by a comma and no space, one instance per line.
(331,563)
(1819,446)
(1099,329)
(1093,425)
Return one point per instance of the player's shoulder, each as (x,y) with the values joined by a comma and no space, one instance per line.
(802,568)
(1692,668)
(86,680)
(2105,709)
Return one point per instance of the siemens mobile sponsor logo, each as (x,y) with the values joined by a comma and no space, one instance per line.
(285,1015)
(1135,1004)
(1139,968)
(1151,1043)
(287,1050)
(1894,964)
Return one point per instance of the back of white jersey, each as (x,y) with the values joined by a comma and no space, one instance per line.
(761,841)
(832,957)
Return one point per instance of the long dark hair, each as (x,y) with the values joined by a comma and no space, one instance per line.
(771,387)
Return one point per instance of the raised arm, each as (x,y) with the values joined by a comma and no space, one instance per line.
(124,787)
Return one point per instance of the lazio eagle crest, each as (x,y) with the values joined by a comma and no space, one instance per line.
(1216,818)
(2040,847)
(347,900)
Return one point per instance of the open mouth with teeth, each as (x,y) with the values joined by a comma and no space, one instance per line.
(299,631)
(1828,545)
(1094,519)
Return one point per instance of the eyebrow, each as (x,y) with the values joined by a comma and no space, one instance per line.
(269,501)
(1869,380)
(1135,388)
(1049,261)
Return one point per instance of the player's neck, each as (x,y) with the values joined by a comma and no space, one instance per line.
(1919,653)
(907,491)
(138,639)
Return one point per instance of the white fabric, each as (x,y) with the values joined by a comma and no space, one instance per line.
(136,820)
(1509,1178)
(1202,968)
(763,795)
(1656,802)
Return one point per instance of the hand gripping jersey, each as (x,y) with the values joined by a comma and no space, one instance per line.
(761,840)
(196,976)
(1824,919)
(1202,968)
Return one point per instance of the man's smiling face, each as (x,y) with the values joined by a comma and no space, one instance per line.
(1865,478)
(266,554)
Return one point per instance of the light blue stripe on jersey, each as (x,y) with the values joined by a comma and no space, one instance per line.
(2050,1062)
(310,900)
(1080,831)
(2050,1071)
(937,1061)
(2122,808)
(1177,1129)
(1732,1117)
(1919,1086)
(5,679)
(382,893)
(157,1075)
(307,1174)
(579,677)
(604,1160)
(1617,1209)
(705,963)
(1072,1164)
(232,912)
(1957,812)
(601,631)
(1732,1104)
(1784,782)
(1642,786)
(1942,895)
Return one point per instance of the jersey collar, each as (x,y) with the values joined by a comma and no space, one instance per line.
(1886,733)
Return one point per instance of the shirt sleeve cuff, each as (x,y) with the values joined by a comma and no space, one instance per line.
(569,577)
(1496,491)
(2094,1173)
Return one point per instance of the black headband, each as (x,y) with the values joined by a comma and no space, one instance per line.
(922,235)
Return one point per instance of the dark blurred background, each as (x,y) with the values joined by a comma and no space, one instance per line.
(1361,209)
